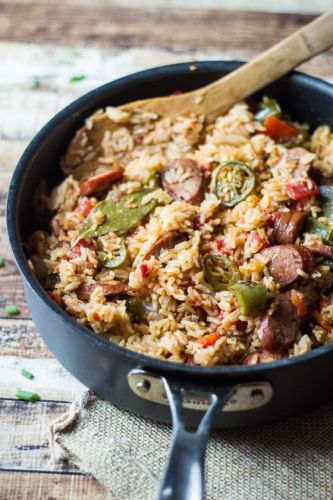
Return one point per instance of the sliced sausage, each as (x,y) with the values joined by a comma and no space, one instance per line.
(278,329)
(288,226)
(296,155)
(110,289)
(100,182)
(286,261)
(183,180)
(322,250)
(167,240)
(260,357)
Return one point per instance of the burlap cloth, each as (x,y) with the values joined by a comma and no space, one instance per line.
(127,453)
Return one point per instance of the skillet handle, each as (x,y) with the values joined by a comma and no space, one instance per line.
(184,474)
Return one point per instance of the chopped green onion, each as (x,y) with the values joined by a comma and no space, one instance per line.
(76,78)
(268,107)
(11,310)
(2,263)
(72,51)
(27,374)
(65,61)
(35,82)
(27,395)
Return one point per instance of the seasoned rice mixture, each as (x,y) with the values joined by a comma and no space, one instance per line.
(194,243)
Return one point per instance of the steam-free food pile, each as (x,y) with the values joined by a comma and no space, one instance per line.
(205,244)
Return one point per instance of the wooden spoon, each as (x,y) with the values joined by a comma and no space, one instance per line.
(216,98)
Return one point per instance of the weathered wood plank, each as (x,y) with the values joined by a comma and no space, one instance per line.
(51,380)
(258,5)
(24,436)
(19,337)
(126,27)
(28,486)
(12,292)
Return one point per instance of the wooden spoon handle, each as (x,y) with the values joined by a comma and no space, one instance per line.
(275,62)
(217,97)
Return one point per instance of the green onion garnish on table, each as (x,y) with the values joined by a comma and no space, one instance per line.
(27,374)
(11,310)
(27,395)
(2,263)
(76,78)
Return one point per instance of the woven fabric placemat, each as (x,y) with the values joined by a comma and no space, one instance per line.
(127,453)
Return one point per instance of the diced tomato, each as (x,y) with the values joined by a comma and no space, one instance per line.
(324,302)
(220,244)
(100,182)
(176,92)
(272,218)
(320,320)
(85,244)
(209,166)
(195,302)
(145,269)
(95,316)
(279,130)
(75,251)
(54,296)
(297,300)
(302,190)
(209,339)
(84,206)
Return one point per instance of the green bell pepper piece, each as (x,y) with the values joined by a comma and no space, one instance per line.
(251,297)
(313,226)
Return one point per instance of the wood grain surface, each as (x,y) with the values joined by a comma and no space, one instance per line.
(170,28)
(109,42)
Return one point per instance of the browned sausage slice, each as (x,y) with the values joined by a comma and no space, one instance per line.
(286,261)
(167,240)
(288,226)
(260,357)
(100,182)
(278,329)
(322,250)
(183,180)
(110,288)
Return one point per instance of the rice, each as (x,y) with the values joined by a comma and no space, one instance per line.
(183,318)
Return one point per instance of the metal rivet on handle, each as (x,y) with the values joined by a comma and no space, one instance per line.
(143,385)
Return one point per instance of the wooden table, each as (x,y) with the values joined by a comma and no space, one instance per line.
(42,45)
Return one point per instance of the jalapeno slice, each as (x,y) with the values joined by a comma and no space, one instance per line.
(234,181)
(219,271)
(251,297)
(114,260)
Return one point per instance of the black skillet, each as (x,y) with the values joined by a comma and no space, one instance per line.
(224,396)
